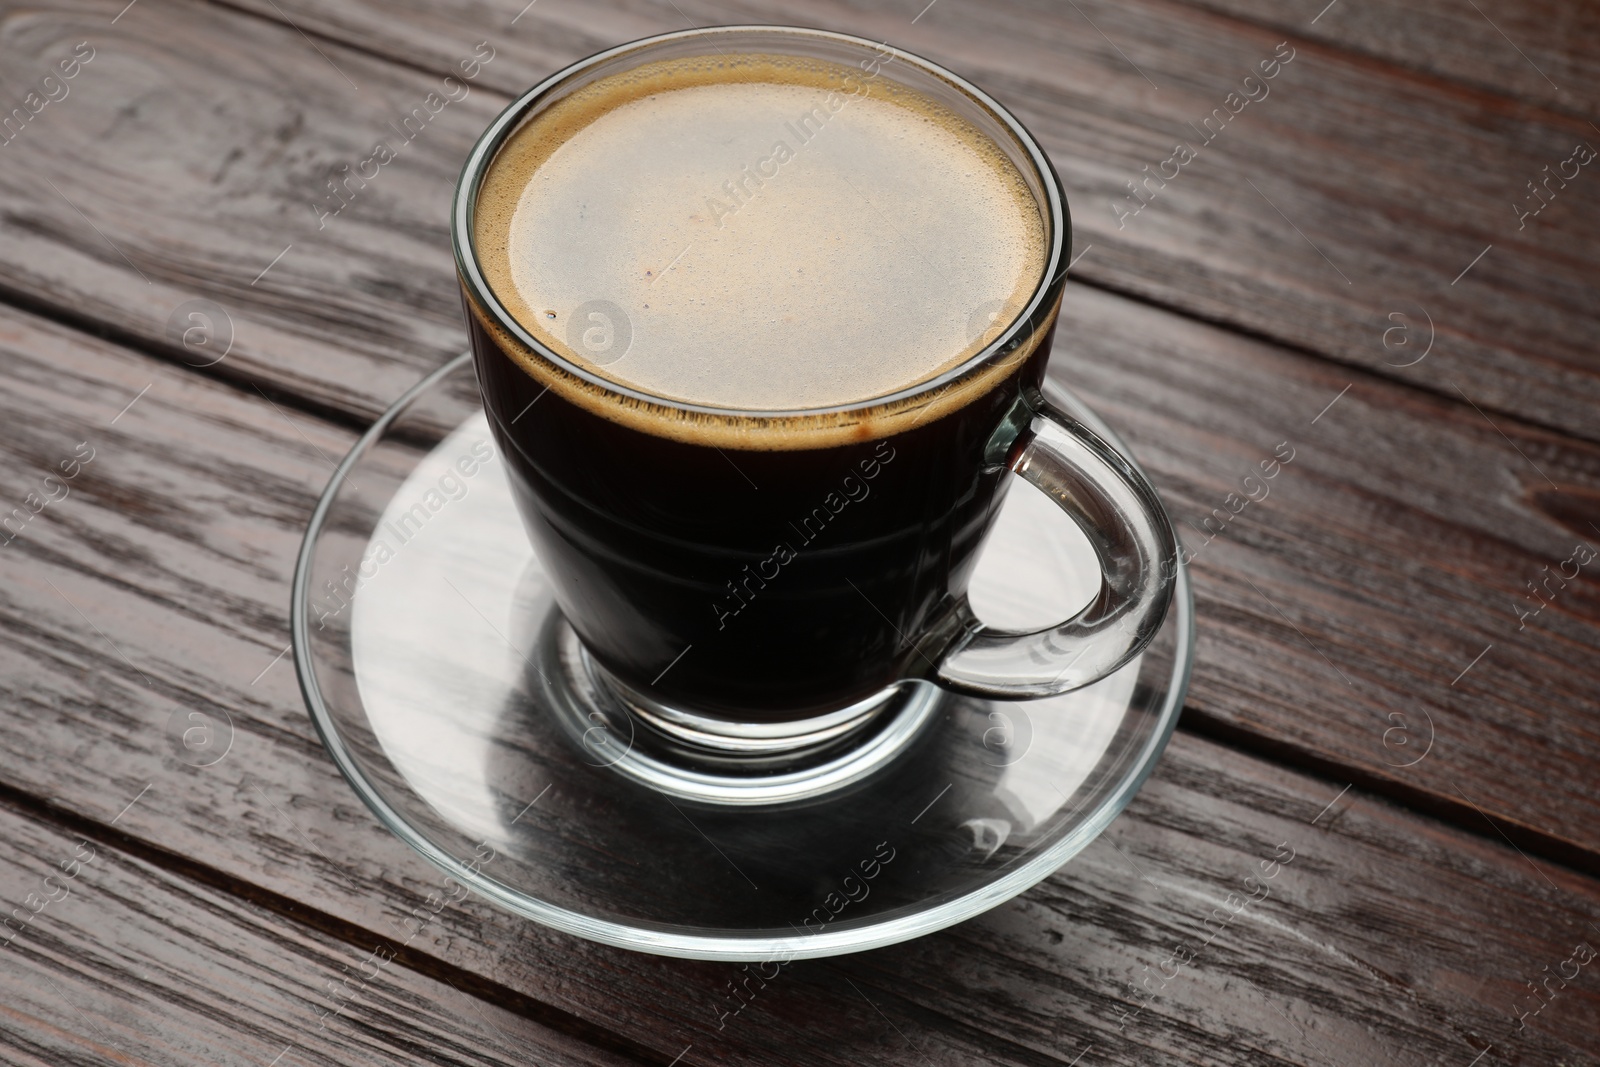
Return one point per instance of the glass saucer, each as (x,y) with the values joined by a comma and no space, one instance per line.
(421,617)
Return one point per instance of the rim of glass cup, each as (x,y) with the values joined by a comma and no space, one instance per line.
(464,243)
(662,939)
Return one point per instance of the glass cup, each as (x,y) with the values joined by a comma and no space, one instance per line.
(752,599)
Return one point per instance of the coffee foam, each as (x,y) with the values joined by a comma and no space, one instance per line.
(839,232)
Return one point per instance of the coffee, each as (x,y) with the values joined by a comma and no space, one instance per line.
(772,240)
(755,455)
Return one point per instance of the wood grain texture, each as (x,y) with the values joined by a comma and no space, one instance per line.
(157,586)
(1541,52)
(1371,598)
(1320,621)
(185,163)
(194,149)
(126,963)
(1372,187)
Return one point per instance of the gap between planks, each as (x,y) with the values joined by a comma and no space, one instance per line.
(43,812)
(470,983)
(1440,807)
(1436,81)
(79,322)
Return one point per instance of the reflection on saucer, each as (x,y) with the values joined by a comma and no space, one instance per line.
(434,692)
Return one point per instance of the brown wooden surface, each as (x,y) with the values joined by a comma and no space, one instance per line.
(1374,189)
(129,963)
(1386,557)
(1540,52)
(357,310)
(1345,606)
(175,589)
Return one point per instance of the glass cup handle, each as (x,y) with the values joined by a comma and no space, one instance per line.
(1119,512)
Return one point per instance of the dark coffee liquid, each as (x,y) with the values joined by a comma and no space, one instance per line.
(761,562)
(796,579)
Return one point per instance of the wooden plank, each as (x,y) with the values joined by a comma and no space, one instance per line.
(1539,52)
(1320,623)
(126,962)
(1372,597)
(156,587)
(170,196)
(1341,958)
(1376,194)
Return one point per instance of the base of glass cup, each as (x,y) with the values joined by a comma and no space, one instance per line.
(702,758)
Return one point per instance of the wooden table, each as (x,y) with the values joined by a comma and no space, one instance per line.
(1386,261)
